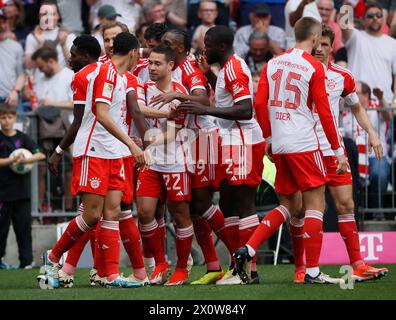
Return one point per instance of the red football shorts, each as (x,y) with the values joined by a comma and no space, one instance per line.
(299,172)
(336,180)
(207,160)
(243,164)
(129,172)
(97,176)
(174,186)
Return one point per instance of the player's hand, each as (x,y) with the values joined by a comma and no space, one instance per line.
(268,151)
(53,163)
(201,63)
(192,107)
(138,154)
(163,98)
(375,144)
(342,164)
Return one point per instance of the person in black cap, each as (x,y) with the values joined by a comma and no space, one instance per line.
(106,14)
(260,19)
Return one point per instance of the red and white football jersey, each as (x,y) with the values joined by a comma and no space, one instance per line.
(80,83)
(234,83)
(174,156)
(141,70)
(291,84)
(190,76)
(104,59)
(109,87)
(135,85)
(340,83)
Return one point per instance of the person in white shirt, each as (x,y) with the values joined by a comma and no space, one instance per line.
(372,54)
(49,31)
(294,10)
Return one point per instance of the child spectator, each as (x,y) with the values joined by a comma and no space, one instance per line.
(15,188)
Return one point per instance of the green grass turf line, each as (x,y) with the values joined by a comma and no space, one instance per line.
(276,283)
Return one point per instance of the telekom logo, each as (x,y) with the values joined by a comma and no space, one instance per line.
(371,244)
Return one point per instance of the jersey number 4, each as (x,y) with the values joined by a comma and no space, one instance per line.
(277,77)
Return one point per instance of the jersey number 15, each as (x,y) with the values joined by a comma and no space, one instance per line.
(277,77)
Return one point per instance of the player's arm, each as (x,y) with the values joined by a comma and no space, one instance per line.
(317,91)
(4,162)
(197,95)
(104,118)
(261,105)
(241,110)
(136,114)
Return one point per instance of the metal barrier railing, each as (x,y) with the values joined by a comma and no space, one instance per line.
(56,204)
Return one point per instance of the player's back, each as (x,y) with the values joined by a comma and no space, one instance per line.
(290,76)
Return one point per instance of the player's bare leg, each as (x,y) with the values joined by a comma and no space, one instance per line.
(343,199)
(180,212)
(152,237)
(201,202)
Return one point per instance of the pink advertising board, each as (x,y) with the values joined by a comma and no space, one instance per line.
(376,248)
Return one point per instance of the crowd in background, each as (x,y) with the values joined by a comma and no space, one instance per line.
(36,37)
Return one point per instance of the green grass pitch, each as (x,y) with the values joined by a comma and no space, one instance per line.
(276,283)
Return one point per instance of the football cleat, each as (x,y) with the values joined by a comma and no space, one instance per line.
(243,264)
(122,282)
(231,277)
(92,276)
(144,281)
(160,274)
(367,272)
(190,263)
(209,277)
(299,276)
(65,280)
(49,273)
(322,278)
(178,278)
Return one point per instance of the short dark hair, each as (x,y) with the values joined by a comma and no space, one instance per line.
(221,35)
(328,32)
(366,89)
(170,55)
(185,39)
(125,42)
(113,24)
(304,27)
(52,3)
(46,52)
(155,31)
(372,4)
(88,44)
(5,108)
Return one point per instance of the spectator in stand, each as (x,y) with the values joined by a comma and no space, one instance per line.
(154,12)
(378,170)
(326,9)
(14,11)
(260,20)
(140,34)
(15,188)
(12,77)
(71,13)
(372,54)
(106,14)
(49,31)
(259,53)
(294,10)
(52,88)
(131,11)
(207,13)
(223,16)
(179,9)
(277,8)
